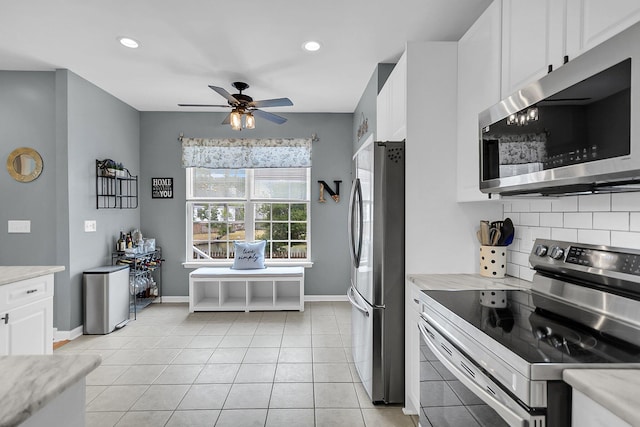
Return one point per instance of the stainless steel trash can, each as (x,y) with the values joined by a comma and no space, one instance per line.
(106,299)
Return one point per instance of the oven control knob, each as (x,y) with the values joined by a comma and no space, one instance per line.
(556,252)
(540,250)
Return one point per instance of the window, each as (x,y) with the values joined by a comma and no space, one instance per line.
(224,205)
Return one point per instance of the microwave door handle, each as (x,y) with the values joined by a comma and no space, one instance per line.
(505,412)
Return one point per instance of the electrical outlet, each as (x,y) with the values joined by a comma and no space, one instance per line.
(89,226)
(19,226)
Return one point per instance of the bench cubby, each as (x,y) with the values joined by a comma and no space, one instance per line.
(226,289)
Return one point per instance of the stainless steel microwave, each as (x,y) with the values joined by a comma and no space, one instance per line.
(576,130)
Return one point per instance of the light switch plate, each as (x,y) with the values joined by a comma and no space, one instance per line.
(19,226)
(89,226)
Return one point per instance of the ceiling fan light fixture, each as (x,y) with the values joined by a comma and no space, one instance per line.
(311,46)
(236,120)
(128,42)
(249,121)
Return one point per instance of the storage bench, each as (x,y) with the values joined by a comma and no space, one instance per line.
(226,289)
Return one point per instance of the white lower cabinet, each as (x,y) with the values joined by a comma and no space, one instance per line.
(412,349)
(586,412)
(26,316)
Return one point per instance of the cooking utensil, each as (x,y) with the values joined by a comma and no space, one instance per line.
(508,231)
(494,236)
(484,232)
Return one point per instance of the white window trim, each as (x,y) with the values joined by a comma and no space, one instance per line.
(307,263)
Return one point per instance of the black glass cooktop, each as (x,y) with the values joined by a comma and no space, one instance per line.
(532,333)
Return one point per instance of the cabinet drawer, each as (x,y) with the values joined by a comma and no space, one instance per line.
(26,291)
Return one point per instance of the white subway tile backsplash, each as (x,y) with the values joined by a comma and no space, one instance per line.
(526,273)
(611,221)
(625,202)
(551,219)
(578,220)
(634,221)
(540,206)
(565,204)
(520,258)
(530,219)
(625,239)
(600,219)
(594,202)
(594,237)
(565,234)
(520,206)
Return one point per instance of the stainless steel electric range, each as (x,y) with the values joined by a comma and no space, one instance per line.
(495,357)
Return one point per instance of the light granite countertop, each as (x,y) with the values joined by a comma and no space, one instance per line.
(30,382)
(457,282)
(615,389)
(10,274)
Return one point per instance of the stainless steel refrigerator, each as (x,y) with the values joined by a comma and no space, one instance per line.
(376,240)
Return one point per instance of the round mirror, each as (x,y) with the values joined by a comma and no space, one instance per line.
(24,164)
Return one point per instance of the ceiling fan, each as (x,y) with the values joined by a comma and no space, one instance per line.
(244,105)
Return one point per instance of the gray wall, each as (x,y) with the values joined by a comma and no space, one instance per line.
(71,123)
(367,106)
(27,119)
(99,126)
(164,219)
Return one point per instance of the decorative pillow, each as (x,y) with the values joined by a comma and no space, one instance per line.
(249,255)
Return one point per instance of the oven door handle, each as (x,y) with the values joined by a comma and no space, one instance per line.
(506,413)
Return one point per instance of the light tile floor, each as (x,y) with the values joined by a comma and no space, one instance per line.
(173,368)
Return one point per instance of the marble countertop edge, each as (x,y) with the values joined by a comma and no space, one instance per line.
(465,282)
(617,389)
(32,381)
(15,273)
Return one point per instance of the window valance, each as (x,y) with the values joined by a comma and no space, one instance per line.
(241,153)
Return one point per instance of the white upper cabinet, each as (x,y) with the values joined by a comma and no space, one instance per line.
(532,40)
(590,22)
(392,104)
(537,35)
(478,88)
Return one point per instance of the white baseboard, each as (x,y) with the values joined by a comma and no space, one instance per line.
(324,298)
(171,299)
(67,335)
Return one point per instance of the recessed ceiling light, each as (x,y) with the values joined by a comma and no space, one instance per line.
(128,42)
(311,46)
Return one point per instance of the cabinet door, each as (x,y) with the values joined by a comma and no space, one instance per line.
(478,88)
(412,349)
(29,330)
(398,103)
(533,37)
(383,113)
(590,22)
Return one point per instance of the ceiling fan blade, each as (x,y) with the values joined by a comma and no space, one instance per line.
(225,94)
(269,116)
(202,105)
(227,120)
(277,102)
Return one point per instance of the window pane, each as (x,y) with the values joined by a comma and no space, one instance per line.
(263,211)
(280,231)
(263,231)
(219,183)
(289,183)
(298,231)
(280,250)
(298,212)
(280,211)
(298,250)
(219,250)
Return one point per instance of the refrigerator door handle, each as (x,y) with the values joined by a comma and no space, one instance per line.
(353,302)
(355,215)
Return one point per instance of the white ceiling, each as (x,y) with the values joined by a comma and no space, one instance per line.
(189,44)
